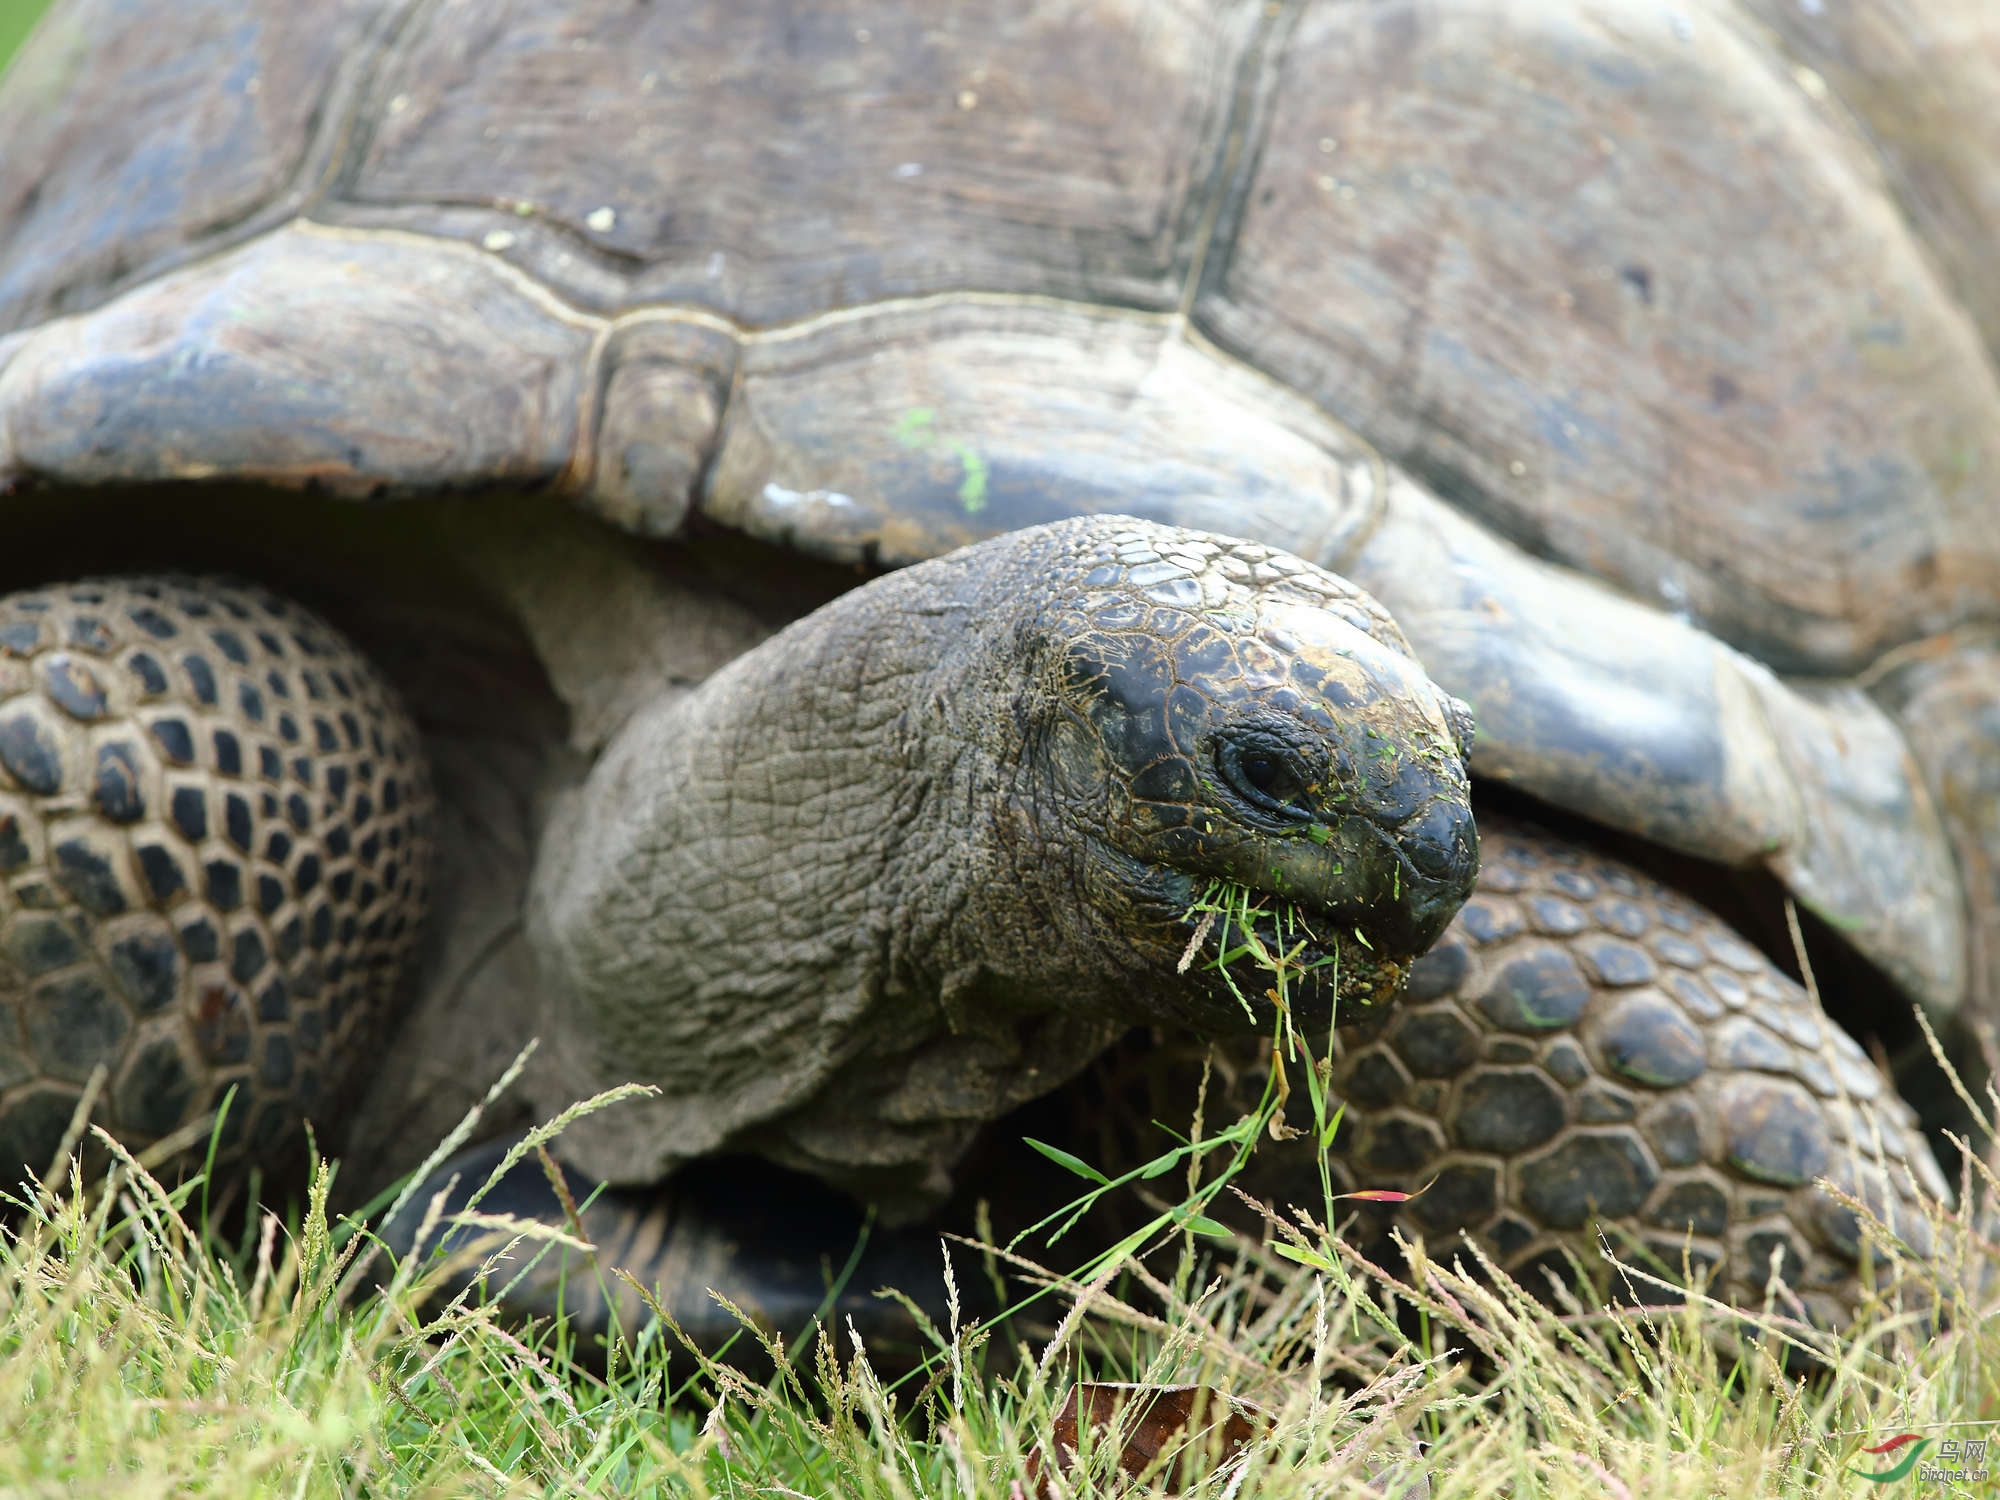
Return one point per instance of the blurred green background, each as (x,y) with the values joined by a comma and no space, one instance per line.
(17,19)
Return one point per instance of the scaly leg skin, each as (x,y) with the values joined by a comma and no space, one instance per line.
(1586,1045)
(771,1243)
(215,845)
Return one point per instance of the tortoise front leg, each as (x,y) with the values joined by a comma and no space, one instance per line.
(1585,1046)
(216,826)
(783,1250)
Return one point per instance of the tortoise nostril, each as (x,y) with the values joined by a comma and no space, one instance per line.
(1442,848)
(1441,843)
(1391,802)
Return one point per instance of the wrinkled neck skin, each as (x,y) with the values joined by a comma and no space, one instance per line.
(818,880)
(920,856)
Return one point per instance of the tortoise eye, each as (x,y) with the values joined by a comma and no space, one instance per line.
(1270,777)
(1267,775)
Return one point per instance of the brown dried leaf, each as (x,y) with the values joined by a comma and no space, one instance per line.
(1181,1432)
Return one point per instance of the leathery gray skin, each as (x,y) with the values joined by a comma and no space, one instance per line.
(911,861)
(918,857)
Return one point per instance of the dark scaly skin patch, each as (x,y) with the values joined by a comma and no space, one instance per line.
(1437,972)
(1252,720)
(1704,1120)
(14,851)
(1585,1175)
(86,866)
(31,751)
(1774,1132)
(1741,1043)
(1702,1208)
(1648,1040)
(71,1022)
(33,1124)
(1397,1144)
(1435,1043)
(1565,1062)
(143,925)
(1604,1106)
(1462,1194)
(1540,990)
(72,684)
(118,792)
(1377,1078)
(1507,1110)
(1614,961)
(39,944)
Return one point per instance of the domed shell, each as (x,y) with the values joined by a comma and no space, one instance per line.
(878,279)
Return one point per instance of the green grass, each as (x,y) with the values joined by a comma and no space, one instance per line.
(139,1356)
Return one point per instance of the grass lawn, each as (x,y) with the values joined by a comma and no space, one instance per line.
(139,1356)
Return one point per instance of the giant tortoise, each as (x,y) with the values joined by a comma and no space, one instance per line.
(576,361)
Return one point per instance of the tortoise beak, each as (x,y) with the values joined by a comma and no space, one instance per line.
(1438,852)
(1400,882)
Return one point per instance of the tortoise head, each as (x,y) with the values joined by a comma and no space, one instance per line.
(1224,725)
(917,857)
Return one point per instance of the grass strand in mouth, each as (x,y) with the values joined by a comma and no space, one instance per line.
(1234,905)
(1271,933)
(1234,908)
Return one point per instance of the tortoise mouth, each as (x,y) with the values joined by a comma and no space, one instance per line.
(1384,909)
(1240,948)
(1269,941)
